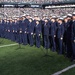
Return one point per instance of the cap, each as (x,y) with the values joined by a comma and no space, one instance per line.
(61,18)
(73,14)
(69,15)
(64,17)
(53,17)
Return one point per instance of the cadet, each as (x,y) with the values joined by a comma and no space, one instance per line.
(15,30)
(46,34)
(0,27)
(68,36)
(53,33)
(65,34)
(25,24)
(5,25)
(37,33)
(8,29)
(60,33)
(20,30)
(42,26)
(2,23)
(11,33)
(73,37)
(30,30)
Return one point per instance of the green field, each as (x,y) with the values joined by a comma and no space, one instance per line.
(30,60)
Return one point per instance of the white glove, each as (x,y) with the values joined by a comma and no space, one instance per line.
(13,31)
(39,34)
(25,31)
(31,33)
(20,31)
(54,35)
(61,38)
(74,41)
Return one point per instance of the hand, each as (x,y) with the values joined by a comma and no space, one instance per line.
(8,30)
(61,38)
(20,31)
(39,34)
(25,31)
(31,33)
(74,41)
(13,30)
(54,35)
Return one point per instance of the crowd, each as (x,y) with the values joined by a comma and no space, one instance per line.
(52,32)
(20,11)
(36,1)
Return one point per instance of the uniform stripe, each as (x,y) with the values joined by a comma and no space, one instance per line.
(64,70)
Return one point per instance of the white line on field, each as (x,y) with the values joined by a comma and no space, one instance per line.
(64,70)
(8,45)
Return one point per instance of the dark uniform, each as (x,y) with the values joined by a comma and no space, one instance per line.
(53,35)
(24,24)
(8,29)
(46,34)
(30,30)
(5,26)
(37,33)
(60,33)
(20,30)
(73,40)
(68,38)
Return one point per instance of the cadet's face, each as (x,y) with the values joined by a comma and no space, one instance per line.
(53,20)
(68,18)
(60,21)
(65,20)
(23,18)
(35,17)
(37,22)
(57,19)
(46,21)
(74,17)
(28,17)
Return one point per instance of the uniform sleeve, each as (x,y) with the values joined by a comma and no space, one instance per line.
(62,30)
(40,29)
(74,31)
